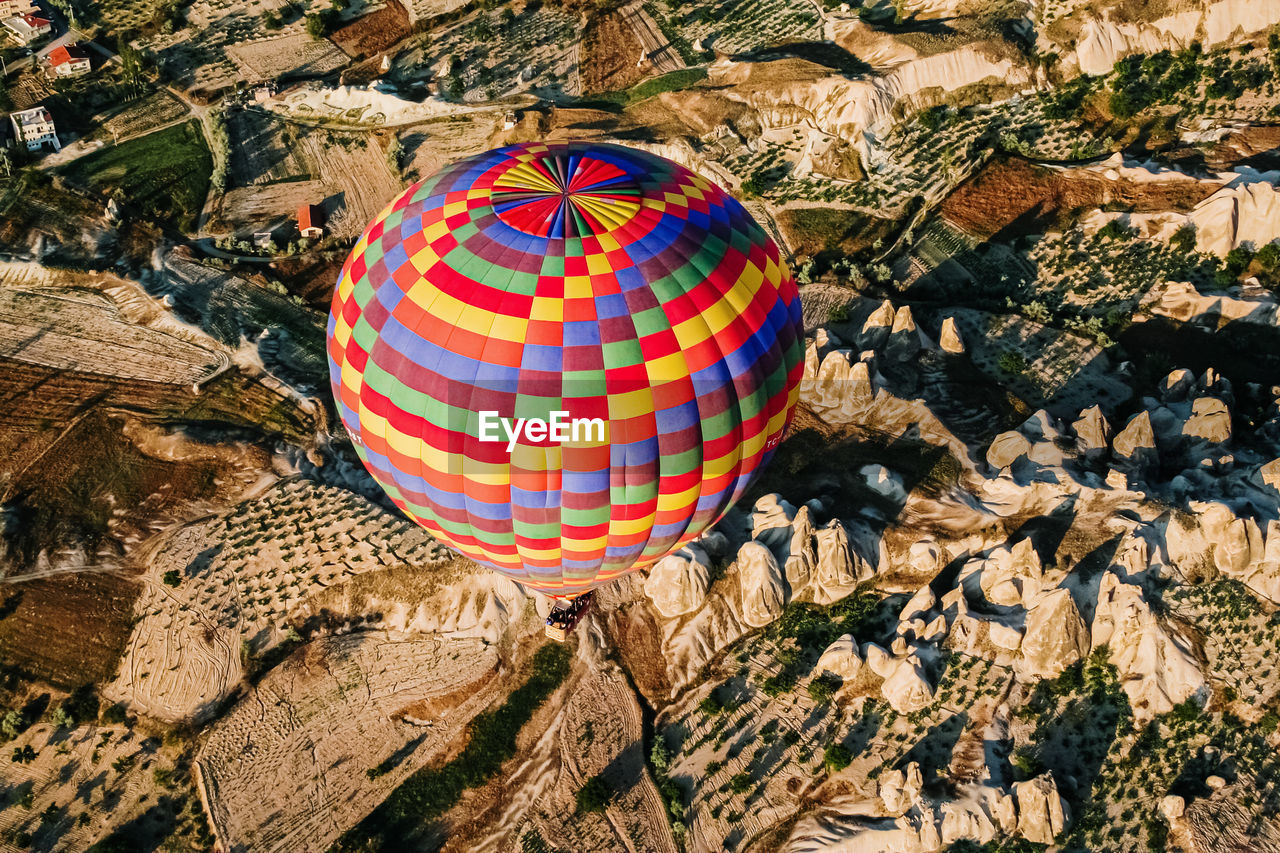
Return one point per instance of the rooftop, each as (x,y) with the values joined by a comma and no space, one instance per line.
(32,116)
(67,53)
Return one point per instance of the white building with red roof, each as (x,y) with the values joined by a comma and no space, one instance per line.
(69,60)
(27,28)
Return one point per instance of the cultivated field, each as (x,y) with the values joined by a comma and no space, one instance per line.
(141,116)
(230,41)
(88,782)
(163,176)
(375,31)
(318,744)
(239,579)
(68,629)
(492,54)
(272,160)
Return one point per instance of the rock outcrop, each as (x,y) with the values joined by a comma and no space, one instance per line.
(1156,667)
(1041,813)
(760,585)
(1055,637)
(678,583)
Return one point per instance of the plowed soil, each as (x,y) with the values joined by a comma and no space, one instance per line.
(1016,197)
(610,53)
(375,32)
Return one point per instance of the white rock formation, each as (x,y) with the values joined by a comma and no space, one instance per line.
(1137,441)
(760,585)
(1093,433)
(1156,667)
(884,482)
(1041,813)
(802,557)
(845,107)
(906,689)
(838,569)
(1210,421)
(678,583)
(899,790)
(1102,42)
(949,337)
(1173,807)
(1056,636)
(841,658)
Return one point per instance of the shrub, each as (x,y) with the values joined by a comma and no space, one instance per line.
(115,714)
(320,23)
(740,783)
(172,578)
(711,705)
(1012,362)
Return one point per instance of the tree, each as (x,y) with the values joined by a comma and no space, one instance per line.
(132,68)
(1184,239)
(172,578)
(319,23)
(823,688)
(593,796)
(1011,362)
(12,724)
(740,783)
(836,757)
(1268,257)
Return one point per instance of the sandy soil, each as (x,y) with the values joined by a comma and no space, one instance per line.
(285,770)
(96,778)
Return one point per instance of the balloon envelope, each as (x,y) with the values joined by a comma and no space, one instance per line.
(565,361)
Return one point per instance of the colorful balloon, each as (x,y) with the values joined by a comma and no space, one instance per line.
(565,361)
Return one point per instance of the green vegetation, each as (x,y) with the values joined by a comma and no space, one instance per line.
(172,578)
(672,795)
(805,630)
(320,24)
(823,688)
(673,81)
(740,783)
(430,792)
(1012,362)
(836,757)
(593,796)
(164,175)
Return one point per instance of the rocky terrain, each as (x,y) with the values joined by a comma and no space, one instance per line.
(1011,583)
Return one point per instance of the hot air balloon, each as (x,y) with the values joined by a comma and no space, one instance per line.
(565,361)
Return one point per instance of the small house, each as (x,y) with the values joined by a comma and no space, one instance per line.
(69,60)
(263,239)
(34,128)
(509,120)
(311,220)
(265,92)
(27,28)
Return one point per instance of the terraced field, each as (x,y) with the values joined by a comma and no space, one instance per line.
(226,591)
